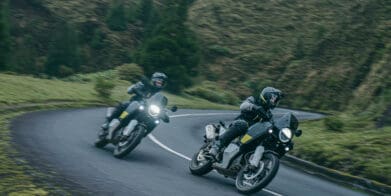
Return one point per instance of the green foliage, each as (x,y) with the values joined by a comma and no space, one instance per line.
(171,47)
(320,58)
(64,54)
(130,72)
(355,150)
(104,87)
(218,50)
(211,91)
(98,39)
(144,11)
(4,34)
(333,124)
(299,52)
(116,18)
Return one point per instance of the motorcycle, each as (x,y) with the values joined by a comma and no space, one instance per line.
(138,120)
(253,159)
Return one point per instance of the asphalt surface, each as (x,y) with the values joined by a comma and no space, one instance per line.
(63,141)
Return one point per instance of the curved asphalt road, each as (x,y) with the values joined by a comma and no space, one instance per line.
(63,140)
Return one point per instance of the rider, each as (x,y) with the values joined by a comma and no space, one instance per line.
(142,89)
(252,110)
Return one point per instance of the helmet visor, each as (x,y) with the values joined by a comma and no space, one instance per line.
(158,82)
(274,100)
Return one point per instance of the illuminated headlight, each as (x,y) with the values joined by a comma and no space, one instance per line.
(157,122)
(154,110)
(141,107)
(270,131)
(287,149)
(285,135)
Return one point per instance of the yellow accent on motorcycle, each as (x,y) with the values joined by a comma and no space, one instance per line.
(123,115)
(245,139)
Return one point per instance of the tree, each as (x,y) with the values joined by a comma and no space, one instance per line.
(171,47)
(4,34)
(116,19)
(144,12)
(63,52)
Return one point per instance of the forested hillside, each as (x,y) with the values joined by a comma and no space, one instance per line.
(63,37)
(328,55)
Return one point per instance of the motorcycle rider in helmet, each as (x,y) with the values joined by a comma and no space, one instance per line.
(252,110)
(141,90)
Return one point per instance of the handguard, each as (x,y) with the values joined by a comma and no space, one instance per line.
(165,118)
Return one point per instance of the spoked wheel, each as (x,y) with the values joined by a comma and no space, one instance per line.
(199,164)
(127,144)
(251,180)
(101,141)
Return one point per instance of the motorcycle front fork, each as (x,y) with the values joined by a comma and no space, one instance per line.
(257,156)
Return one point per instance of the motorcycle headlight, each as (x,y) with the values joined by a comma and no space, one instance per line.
(154,110)
(285,135)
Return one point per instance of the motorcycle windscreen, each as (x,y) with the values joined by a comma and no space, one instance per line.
(287,121)
(158,99)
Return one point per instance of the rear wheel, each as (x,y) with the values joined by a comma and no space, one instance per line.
(199,164)
(126,145)
(251,180)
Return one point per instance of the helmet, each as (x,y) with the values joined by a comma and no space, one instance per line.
(270,97)
(158,80)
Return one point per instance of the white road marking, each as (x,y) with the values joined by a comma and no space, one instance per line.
(156,141)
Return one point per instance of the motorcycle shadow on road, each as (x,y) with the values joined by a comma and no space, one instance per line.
(218,181)
(137,156)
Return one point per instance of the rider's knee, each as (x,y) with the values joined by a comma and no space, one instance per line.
(240,125)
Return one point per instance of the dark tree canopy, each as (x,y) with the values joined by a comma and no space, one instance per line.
(4,34)
(63,58)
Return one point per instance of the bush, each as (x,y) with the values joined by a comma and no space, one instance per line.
(333,123)
(65,71)
(130,72)
(210,91)
(103,87)
(219,50)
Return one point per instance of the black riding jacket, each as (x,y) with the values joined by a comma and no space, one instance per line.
(252,111)
(142,89)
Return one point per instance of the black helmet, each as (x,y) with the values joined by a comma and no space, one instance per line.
(158,80)
(270,97)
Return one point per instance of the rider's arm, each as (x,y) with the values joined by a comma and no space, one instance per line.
(136,89)
(248,105)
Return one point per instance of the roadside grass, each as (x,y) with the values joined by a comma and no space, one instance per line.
(13,172)
(360,151)
(16,89)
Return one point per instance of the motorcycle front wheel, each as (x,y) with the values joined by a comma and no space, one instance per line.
(253,180)
(124,147)
(199,165)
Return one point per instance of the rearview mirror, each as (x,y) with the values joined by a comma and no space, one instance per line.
(298,133)
(174,108)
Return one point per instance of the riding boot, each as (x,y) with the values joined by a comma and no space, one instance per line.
(216,148)
(105,126)
(237,128)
